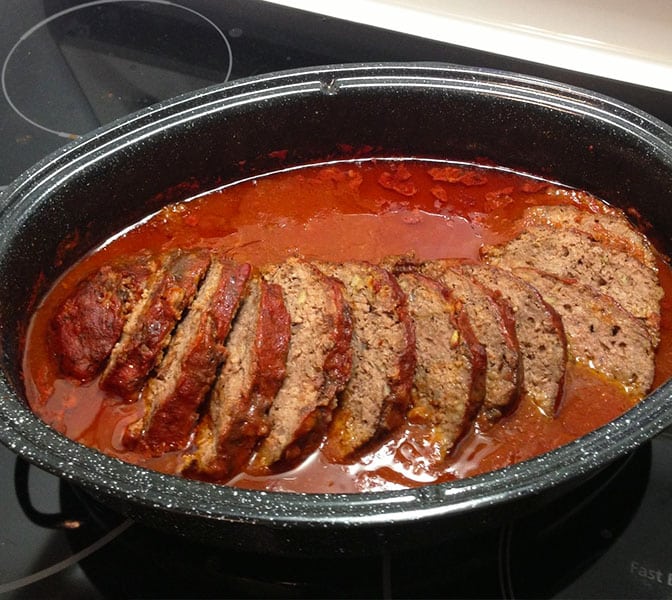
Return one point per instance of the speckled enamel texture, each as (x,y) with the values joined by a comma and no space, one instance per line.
(110,178)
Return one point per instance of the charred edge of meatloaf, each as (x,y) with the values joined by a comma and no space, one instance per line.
(449,379)
(174,394)
(320,330)
(251,377)
(611,228)
(89,322)
(600,333)
(492,321)
(401,263)
(378,394)
(540,332)
(573,254)
(147,330)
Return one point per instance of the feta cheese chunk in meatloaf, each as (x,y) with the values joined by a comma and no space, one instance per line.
(251,377)
(574,254)
(148,328)
(540,333)
(611,228)
(378,393)
(600,333)
(491,318)
(89,322)
(173,395)
(319,359)
(449,378)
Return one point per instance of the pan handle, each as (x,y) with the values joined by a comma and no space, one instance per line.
(42,519)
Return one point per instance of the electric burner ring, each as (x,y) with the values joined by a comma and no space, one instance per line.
(59,14)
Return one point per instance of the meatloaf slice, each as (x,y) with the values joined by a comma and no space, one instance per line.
(251,377)
(378,394)
(611,228)
(540,334)
(574,254)
(147,330)
(493,323)
(449,378)
(174,394)
(89,322)
(319,359)
(600,333)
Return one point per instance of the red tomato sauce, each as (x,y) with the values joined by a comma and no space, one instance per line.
(344,211)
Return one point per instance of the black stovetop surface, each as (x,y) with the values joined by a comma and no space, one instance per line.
(68,67)
(607,539)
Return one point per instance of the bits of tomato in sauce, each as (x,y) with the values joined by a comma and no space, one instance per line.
(353,210)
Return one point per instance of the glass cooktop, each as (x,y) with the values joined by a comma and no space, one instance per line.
(70,66)
(607,539)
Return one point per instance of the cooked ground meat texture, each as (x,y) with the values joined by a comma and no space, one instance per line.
(319,359)
(249,381)
(611,228)
(573,254)
(378,393)
(449,378)
(540,334)
(493,323)
(90,321)
(600,333)
(174,394)
(147,330)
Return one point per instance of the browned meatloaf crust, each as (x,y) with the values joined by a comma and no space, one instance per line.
(600,333)
(378,393)
(251,377)
(540,334)
(449,378)
(149,326)
(494,326)
(174,394)
(573,254)
(89,322)
(318,363)
(611,228)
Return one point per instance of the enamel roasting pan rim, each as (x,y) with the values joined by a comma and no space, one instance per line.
(40,195)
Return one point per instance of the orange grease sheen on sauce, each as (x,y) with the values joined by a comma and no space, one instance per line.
(343,211)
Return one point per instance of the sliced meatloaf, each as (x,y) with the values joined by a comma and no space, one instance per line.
(611,228)
(540,334)
(173,395)
(252,375)
(600,333)
(493,323)
(147,330)
(574,254)
(449,378)
(318,363)
(89,322)
(378,393)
